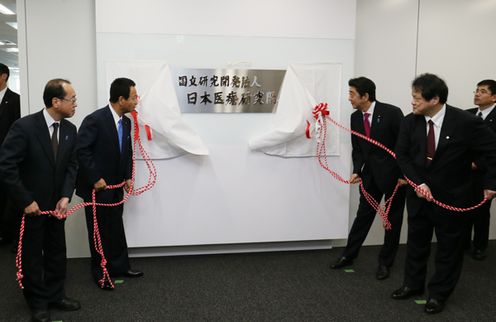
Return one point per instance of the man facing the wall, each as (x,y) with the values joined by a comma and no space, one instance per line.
(104,151)
(377,170)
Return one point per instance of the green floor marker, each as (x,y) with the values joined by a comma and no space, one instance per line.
(349,270)
(57,321)
(118,281)
(421,301)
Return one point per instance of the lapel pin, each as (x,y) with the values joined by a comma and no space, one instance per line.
(67,137)
(447,137)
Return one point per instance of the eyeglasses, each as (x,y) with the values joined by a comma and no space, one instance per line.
(481,91)
(71,100)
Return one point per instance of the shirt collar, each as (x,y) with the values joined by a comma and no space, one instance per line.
(114,115)
(48,118)
(486,111)
(438,118)
(370,110)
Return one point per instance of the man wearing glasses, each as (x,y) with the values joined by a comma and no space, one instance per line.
(38,167)
(485,99)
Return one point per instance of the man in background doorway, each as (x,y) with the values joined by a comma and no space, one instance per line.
(10,111)
(485,99)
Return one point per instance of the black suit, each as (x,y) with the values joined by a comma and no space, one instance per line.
(481,217)
(30,172)
(99,156)
(10,111)
(379,173)
(449,178)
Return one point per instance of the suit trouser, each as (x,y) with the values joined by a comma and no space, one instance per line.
(364,219)
(450,229)
(43,260)
(480,222)
(113,239)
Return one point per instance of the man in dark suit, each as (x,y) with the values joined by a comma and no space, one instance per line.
(105,158)
(378,171)
(485,99)
(38,167)
(10,111)
(436,146)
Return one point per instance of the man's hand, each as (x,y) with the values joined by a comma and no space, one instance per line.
(426,192)
(489,194)
(355,178)
(402,182)
(100,185)
(33,209)
(128,184)
(61,207)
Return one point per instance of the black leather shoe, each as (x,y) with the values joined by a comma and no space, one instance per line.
(40,315)
(479,254)
(433,306)
(405,292)
(66,304)
(342,262)
(133,273)
(382,272)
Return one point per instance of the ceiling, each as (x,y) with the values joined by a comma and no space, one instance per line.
(8,33)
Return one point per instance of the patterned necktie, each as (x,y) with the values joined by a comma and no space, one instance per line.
(55,141)
(431,143)
(119,133)
(366,124)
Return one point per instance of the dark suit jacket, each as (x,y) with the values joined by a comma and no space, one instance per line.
(370,160)
(99,155)
(10,111)
(462,137)
(27,165)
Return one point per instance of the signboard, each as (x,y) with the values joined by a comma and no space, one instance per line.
(227,90)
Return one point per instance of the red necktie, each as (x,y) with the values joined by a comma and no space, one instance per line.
(431,143)
(366,124)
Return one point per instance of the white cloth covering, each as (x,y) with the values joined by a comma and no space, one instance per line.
(159,109)
(304,86)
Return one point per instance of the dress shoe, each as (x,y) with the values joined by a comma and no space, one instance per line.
(40,315)
(66,304)
(382,272)
(133,273)
(342,262)
(479,254)
(433,306)
(405,292)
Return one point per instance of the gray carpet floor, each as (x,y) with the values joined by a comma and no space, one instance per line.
(277,286)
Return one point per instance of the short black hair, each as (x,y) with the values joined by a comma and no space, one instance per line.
(430,86)
(490,83)
(120,87)
(4,70)
(363,85)
(54,89)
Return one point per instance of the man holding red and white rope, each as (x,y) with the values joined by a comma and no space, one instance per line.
(104,151)
(377,170)
(436,146)
(38,167)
